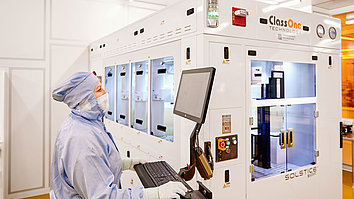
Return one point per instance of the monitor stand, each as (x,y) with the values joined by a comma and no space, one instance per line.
(187,172)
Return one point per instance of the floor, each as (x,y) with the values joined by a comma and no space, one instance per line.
(348,191)
(46,196)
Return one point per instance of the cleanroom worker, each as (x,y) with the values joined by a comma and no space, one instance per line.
(86,162)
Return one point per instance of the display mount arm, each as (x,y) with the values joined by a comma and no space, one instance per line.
(187,173)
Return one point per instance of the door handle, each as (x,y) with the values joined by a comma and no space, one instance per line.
(341,133)
(290,138)
(282,139)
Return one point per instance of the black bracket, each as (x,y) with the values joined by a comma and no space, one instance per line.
(205,191)
(187,173)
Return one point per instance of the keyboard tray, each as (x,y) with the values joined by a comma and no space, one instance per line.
(144,176)
(148,181)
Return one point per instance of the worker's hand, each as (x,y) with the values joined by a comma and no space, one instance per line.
(165,191)
(130,163)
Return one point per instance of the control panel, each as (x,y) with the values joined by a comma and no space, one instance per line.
(226,148)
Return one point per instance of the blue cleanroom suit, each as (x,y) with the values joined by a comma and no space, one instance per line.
(86,162)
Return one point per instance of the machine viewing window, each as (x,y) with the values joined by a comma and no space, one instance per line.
(162,97)
(283,132)
(139,99)
(274,80)
(110,74)
(123,94)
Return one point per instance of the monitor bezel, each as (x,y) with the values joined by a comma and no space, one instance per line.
(210,82)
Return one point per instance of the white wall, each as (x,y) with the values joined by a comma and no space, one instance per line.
(22,32)
(2,128)
(42,43)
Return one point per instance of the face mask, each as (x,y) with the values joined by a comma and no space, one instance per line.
(103,102)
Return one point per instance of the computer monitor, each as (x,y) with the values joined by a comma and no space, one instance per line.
(194,93)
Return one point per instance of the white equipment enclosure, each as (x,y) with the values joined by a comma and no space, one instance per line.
(273,118)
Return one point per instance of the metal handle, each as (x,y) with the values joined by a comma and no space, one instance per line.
(341,133)
(290,138)
(282,139)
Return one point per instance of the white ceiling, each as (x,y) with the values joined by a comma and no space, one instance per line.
(158,2)
(332,4)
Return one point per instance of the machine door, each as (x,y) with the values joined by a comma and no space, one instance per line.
(110,74)
(301,128)
(162,97)
(282,130)
(122,92)
(140,93)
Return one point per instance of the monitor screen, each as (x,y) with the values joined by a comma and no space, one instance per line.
(193,93)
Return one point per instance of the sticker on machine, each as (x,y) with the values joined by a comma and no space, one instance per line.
(226,61)
(226,185)
(226,124)
(286,37)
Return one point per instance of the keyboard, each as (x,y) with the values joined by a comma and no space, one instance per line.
(154,174)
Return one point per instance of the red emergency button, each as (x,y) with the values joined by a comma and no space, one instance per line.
(228,151)
(222,144)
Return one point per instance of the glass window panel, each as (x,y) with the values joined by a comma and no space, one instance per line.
(300,121)
(162,98)
(140,95)
(262,79)
(300,80)
(110,74)
(275,80)
(347,62)
(123,94)
(268,149)
(282,137)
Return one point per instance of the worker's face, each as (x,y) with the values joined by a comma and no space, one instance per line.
(99,91)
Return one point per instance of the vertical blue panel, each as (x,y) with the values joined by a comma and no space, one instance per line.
(123,94)
(264,137)
(162,97)
(110,74)
(140,95)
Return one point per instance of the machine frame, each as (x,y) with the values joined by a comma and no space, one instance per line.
(171,31)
